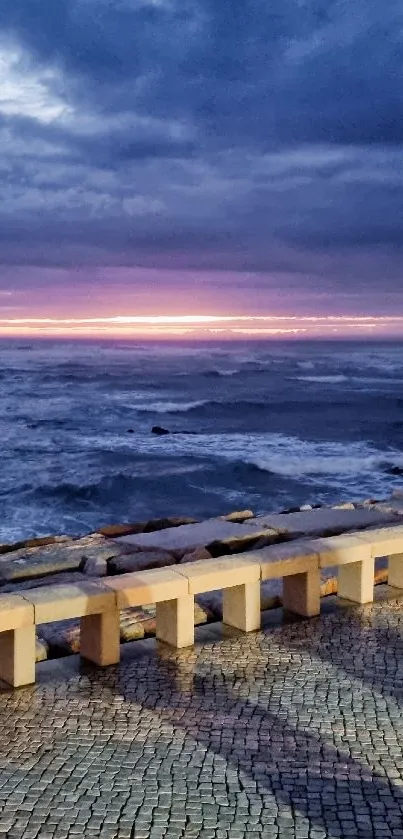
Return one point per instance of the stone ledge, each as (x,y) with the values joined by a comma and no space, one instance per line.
(154,525)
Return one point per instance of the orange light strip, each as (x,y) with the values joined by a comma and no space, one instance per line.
(204,325)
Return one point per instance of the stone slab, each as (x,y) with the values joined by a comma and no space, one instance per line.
(141,561)
(68,578)
(257,538)
(37,562)
(113,530)
(286,559)
(55,603)
(208,575)
(323,522)
(143,587)
(189,536)
(15,612)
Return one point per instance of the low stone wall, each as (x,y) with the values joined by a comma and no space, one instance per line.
(117,549)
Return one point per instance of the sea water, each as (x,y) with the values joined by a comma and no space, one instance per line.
(263,426)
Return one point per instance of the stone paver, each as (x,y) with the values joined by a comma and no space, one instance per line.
(294,732)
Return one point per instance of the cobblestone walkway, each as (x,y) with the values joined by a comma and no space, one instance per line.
(296,731)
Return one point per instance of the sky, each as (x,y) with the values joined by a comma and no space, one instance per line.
(235,160)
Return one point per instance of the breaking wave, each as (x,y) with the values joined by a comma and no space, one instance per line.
(328,380)
(170,407)
(291,457)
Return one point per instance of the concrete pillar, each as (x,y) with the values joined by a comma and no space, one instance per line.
(241,606)
(356,581)
(100,638)
(395,572)
(175,621)
(17,656)
(301,593)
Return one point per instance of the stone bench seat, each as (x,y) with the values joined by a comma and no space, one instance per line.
(384,541)
(169,591)
(239,577)
(298,564)
(356,568)
(139,588)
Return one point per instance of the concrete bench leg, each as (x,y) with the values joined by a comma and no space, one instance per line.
(241,606)
(395,571)
(100,638)
(301,593)
(175,621)
(17,656)
(356,581)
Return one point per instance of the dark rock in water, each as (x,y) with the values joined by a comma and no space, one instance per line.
(156,429)
(130,430)
(394,470)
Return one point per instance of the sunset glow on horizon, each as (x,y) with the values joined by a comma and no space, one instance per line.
(205,326)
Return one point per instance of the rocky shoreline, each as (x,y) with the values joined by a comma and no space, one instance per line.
(121,548)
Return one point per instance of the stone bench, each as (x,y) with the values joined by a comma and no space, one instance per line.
(298,564)
(356,568)
(169,591)
(355,554)
(94,603)
(173,590)
(239,577)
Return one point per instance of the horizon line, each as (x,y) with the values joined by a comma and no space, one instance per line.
(207,326)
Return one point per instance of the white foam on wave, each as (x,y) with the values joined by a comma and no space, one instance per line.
(306,365)
(170,407)
(351,469)
(326,380)
(377,380)
(227,372)
(355,466)
(389,367)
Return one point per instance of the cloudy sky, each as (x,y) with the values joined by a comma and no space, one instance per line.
(201,157)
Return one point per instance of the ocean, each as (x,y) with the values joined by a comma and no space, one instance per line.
(265,426)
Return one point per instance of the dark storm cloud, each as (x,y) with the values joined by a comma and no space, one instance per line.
(232,135)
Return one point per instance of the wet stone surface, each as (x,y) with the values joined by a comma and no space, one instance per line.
(295,731)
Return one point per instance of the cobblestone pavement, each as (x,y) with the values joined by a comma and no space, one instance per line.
(295,731)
